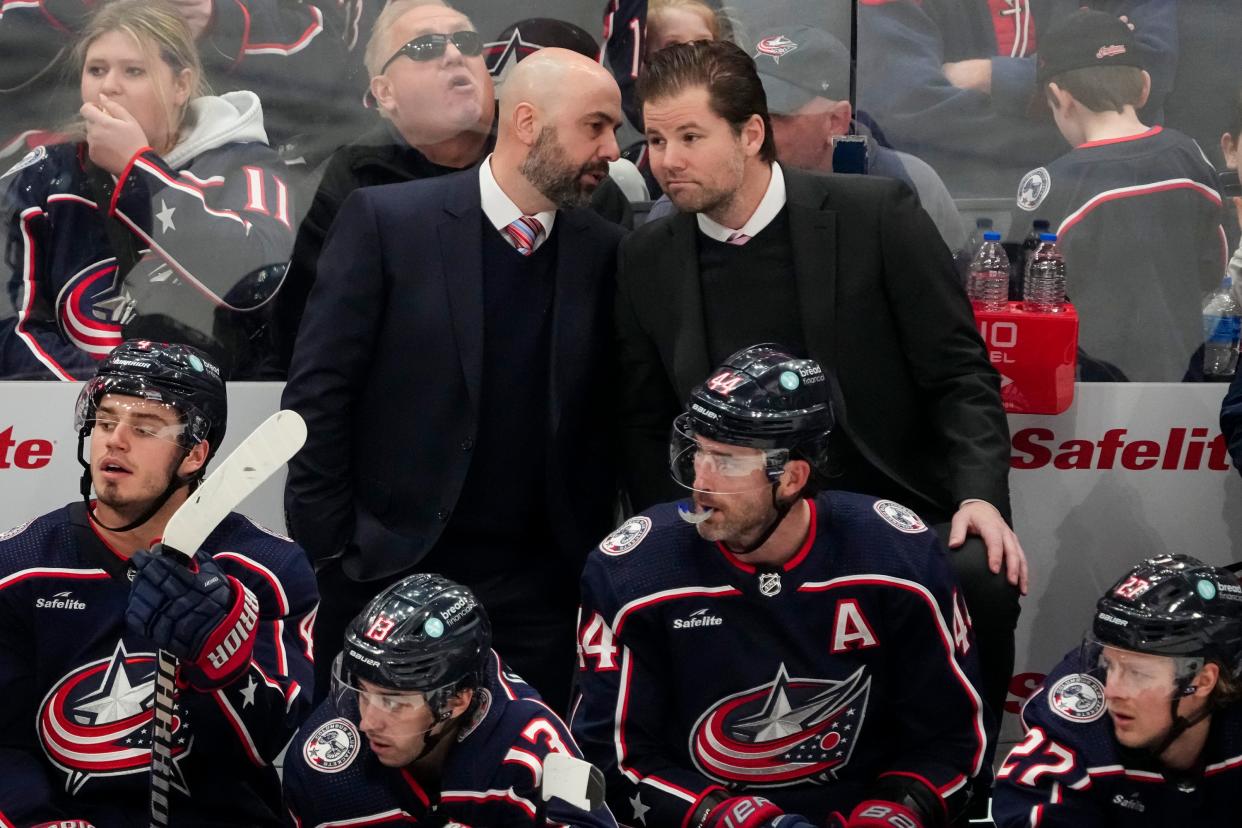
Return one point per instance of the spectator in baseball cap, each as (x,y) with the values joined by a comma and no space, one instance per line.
(806,76)
(1121,177)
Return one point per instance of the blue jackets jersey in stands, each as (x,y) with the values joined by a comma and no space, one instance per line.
(214,215)
(78,687)
(1070,771)
(980,142)
(490,777)
(802,684)
(625,30)
(1139,222)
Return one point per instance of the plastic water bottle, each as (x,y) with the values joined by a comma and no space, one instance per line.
(1222,327)
(989,275)
(1044,290)
(1029,245)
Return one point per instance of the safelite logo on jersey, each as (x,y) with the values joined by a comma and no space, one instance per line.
(1175,449)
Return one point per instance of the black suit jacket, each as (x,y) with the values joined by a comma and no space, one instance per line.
(882,308)
(388,366)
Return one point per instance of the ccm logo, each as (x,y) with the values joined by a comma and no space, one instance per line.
(1187,449)
(26,454)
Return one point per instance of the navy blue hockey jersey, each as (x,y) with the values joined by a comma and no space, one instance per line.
(77,686)
(1138,220)
(980,142)
(1070,772)
(490,777)
(802,684)
(217,232)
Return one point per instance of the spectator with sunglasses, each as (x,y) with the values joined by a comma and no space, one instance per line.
(432,90)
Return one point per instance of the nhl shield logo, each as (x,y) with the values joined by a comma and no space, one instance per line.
(769,584)
(1077,698)
(332,747)
(629,535)
(775,47)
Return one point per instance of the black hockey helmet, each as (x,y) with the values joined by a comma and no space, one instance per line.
(761,397)
(423,634)
(180,376)
(1175,605)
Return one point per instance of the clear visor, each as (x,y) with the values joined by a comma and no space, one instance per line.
(353,701)
(704,465)
(1128,673)
(136,419)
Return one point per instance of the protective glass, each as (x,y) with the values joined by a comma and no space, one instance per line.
(717,468)
(139,419)
(432,46)
(1128,673)
(351,700)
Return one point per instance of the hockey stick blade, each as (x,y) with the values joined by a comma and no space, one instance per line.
(257,458)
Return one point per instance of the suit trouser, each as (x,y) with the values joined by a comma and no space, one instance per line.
(533,625)
(994,607)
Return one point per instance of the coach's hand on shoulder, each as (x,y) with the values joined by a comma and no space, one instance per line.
(978,517)
(196,612)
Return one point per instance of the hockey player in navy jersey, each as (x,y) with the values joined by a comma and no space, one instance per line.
(1140,727)
(769,648)
(1134,207)
(424,725)
(82,616)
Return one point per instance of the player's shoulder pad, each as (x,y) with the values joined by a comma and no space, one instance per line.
(45,541)
(258,555)
(328,744)
(1069,706)
(1034,188)
(871,513)
(646,534)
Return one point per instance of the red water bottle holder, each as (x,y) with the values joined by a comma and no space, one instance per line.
(1036,355)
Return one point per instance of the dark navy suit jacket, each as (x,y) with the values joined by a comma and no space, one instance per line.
(388,366)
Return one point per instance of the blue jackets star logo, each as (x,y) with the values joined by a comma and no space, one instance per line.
(787,731)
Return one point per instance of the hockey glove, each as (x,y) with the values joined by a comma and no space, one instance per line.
(875,813)
(743,812)
(195,612)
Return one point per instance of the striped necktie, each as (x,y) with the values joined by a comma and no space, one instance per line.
(523,232)
(738,237)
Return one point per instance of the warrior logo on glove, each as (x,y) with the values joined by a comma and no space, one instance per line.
(96,721)
(789,730)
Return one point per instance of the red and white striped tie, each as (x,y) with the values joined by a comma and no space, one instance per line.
(523,232)
(738,237)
